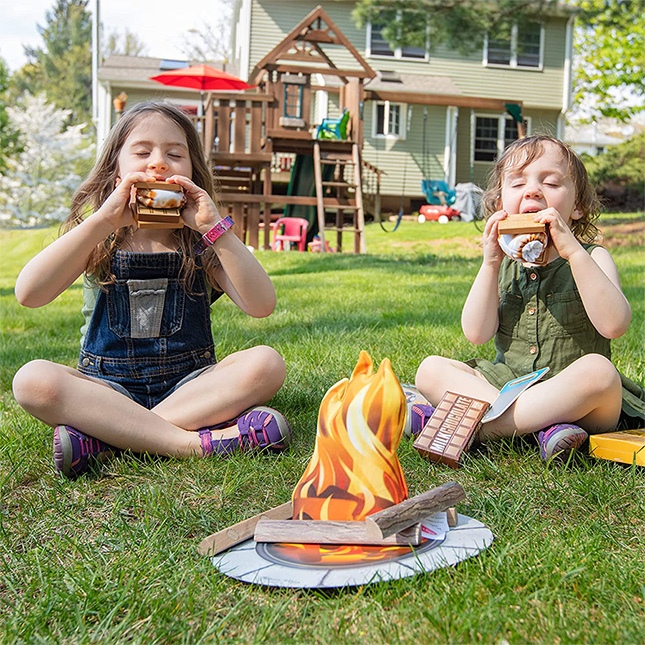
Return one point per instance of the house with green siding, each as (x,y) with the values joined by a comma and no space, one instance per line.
(429,113)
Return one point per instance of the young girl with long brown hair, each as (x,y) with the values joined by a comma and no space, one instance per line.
(147,377)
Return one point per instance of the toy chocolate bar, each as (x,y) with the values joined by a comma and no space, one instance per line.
(157,204)
(451,429)
(523,239)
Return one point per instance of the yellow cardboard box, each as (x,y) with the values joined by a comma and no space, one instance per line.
(625,446)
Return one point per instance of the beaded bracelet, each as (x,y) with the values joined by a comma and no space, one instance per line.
(210,236)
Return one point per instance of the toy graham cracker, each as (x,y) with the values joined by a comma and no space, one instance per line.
(157,204)
(523,239)
(627,446)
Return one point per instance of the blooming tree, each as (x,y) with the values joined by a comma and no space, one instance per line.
(37,186)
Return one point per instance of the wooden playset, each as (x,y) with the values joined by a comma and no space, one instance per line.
(247,136)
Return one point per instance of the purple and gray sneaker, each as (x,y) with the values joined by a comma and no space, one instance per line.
(259,428)
(557,441)
(73,451)
(417,417)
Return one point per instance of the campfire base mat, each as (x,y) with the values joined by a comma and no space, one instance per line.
(316,567)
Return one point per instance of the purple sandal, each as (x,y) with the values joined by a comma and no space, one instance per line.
(259,428)
(73,451)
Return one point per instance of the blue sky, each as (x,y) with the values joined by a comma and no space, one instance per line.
(158,24)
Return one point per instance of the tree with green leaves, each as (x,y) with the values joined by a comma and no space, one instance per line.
(63,64)
(8,134)
(610,58)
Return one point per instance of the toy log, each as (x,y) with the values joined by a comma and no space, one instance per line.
(330,532)
(226,538)
(400,516)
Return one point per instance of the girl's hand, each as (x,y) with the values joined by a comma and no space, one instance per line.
(116,208)
(493,254)
(563,239)
(200,212)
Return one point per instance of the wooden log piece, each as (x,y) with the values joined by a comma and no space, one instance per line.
(226,538)
(451,516)
(400,516)
(329,532)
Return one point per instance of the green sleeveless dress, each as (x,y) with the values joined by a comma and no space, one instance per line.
(542,322)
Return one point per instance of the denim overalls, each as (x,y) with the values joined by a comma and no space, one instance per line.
(147,334)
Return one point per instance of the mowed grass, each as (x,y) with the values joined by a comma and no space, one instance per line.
(112,557)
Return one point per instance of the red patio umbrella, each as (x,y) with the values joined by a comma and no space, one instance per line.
(201,77)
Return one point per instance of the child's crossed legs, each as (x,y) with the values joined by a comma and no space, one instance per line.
(57,394)
(587,392)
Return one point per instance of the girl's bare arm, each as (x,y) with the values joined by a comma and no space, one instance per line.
(480,318)
(598,283)
(240,276)
(596,277)
(57,266)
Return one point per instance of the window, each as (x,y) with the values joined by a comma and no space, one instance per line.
(388,119)
(378,46)
(293,100)
(492,135)
(521,46)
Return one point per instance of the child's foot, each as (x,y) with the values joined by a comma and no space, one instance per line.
(258,428)
(73,451)
(557,441)
(417,417)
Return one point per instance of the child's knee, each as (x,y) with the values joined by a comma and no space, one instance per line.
(428,368)
(268,365)
(36,384)
(599,373)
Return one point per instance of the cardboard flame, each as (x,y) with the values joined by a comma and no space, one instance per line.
(354,470)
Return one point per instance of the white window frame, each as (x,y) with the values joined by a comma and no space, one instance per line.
(386,120)
(501,126)
(513,64)
(398,52)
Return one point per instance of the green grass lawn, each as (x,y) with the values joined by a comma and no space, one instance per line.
(112,556)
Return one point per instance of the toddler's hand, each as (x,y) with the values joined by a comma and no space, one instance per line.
(200,212)
(563,239)
(493,253)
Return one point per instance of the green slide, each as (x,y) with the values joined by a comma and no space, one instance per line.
(303,184)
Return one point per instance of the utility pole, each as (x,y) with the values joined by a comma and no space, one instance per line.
(96,22)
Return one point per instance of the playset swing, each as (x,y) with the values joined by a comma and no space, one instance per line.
(438,194)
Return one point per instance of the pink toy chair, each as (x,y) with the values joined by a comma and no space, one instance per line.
(295,230)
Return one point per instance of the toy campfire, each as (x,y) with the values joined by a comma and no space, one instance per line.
(351,504)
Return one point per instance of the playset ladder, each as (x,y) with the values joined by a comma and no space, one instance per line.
(348,191)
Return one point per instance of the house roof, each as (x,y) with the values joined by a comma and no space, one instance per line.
(137,70)
(390,81)
(303,47)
